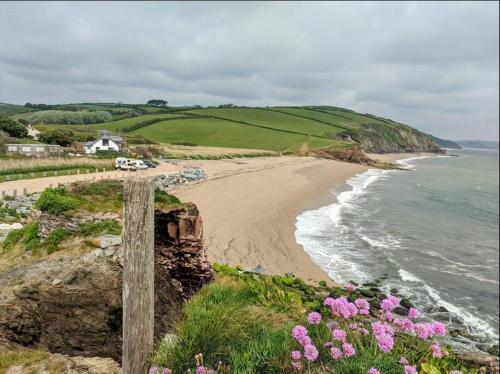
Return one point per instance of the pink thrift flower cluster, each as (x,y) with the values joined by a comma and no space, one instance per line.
(373,371)
(155,370)
(363,306)
(314,318)
(410,369)
(341,307)
(384,334)
(300,334)
(350,287)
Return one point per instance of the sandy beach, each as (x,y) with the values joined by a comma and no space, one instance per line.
(249,207)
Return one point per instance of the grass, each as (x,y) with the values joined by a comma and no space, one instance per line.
(242,323)
(56,237)
(273,120)
(56,201)
(221,133)
(27,235)
(14,166)
(94,229)
(20,358)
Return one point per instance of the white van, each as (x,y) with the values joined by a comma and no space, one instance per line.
(123,163)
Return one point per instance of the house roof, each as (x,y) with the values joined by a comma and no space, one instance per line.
(105,135)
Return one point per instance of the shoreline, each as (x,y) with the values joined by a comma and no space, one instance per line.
(279,189)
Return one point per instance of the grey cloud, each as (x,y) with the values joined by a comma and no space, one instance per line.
(432,65)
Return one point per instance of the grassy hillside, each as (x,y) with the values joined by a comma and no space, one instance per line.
(221,133)
(270,128)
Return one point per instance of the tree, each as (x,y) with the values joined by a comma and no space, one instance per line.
(12,128)
(60,137)
(3,141)
(157,102)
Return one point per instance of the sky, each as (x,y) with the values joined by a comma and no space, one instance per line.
(434,66)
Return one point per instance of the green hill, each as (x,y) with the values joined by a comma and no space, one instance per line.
(270,128)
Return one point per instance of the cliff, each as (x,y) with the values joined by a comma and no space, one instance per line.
(391,138)
(71,303)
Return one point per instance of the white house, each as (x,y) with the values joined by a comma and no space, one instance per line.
(36,149)
(33,132)
(105,142)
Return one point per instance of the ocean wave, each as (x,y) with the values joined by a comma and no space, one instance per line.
(468,317)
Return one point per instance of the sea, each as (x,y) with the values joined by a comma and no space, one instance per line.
(430,231)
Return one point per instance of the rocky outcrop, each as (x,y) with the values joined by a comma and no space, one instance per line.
(71,304)
(391,138)
(179,248)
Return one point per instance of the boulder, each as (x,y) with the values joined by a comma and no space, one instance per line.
(109,240)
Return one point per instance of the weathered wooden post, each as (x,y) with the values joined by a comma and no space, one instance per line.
(25,191)
(138,274)
(14,193)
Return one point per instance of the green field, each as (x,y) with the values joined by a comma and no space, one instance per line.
(272,119)
(269,128)
(221,133)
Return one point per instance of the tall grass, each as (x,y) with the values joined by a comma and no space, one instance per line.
(33,165)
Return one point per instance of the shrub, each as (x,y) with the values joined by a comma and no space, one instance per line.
(55,238)
(28,234)
(70,117)
(60,137)
(106,188)
(102,227)
(56,201)
(12,128)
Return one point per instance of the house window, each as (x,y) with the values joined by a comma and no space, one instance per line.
(12,148)
(26,149)
(97,148)
(40,149)
(105,142)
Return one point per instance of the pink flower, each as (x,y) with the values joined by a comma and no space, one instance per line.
(201,370)
(389,304)
(314,318)
(404,361)
(336,353)
(422,330)
(350,287)
(304,340)
(388,316)
(413,313)
(456,372)
(364,331)
(310,352)
(405,324)
(348,349)
(373,371)
(436,350)
(410,369)
(329,302)
(299,331)
(328,345)
(437,328)
(339,335)
(153,370)
(166,371)
(363,306)
(296,355)
(385,342)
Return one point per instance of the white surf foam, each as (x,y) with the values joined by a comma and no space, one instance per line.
(468,317)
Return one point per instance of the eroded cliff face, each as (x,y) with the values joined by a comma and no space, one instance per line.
(395,138)
(71,303)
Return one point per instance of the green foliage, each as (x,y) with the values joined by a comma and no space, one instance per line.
(102,227)
(107,188)
(70,117)
(27,235)
(12,128)
(223,323)
(56,237)
(20,358)
(10,212)
(60,137)
(165,201)
(56,200)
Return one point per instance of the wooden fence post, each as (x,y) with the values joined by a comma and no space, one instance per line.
(138,274)
(25,191)
(14,193)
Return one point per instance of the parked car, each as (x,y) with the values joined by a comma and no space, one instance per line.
(140,165)
(123,163)
(150,163)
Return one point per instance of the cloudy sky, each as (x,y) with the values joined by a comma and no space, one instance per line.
(432,65)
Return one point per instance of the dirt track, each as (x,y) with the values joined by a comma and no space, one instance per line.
(39,184)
